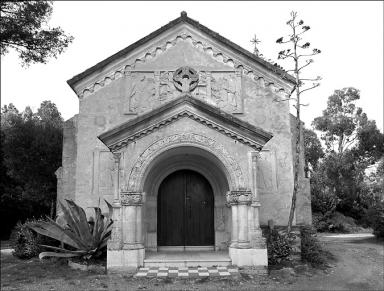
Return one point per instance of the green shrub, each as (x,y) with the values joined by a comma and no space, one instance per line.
(279,246)
(335,222)
(375,217)
(26,242)
(311,250)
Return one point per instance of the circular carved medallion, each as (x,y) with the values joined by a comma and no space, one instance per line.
(185,79)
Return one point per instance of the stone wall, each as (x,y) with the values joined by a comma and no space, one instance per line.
(66,174)
(147,85)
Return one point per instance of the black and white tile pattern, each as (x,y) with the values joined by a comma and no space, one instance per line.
(187,272)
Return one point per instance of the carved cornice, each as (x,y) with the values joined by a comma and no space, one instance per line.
(129,198)
(188,107)
(241,196)
(251,72)
(193,116)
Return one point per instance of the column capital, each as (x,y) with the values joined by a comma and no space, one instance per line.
(131,198)
(240,196)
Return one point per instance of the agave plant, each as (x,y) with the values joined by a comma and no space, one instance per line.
(86,239)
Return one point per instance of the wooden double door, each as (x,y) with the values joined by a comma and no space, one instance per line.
(185,213)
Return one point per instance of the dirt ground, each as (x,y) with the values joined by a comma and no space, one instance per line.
(358,265)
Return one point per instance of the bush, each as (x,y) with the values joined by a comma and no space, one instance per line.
(24,241)
(375,218)
(279,246)
(311,250)
(335,222)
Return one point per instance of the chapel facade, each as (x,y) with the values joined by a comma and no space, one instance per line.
(183,133)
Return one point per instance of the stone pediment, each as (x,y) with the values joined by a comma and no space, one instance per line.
(216,54)
(185,107)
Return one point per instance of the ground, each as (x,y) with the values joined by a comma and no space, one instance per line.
(358,265)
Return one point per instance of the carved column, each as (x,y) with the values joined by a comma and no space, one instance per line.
(235,229)
(240,201)
(131,204)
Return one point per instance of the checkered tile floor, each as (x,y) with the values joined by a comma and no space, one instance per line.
(187,272)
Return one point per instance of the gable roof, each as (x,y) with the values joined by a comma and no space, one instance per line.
(190,107)
(274,68)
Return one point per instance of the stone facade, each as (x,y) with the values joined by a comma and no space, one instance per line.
(183,98)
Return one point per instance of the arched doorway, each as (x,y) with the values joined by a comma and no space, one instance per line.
(185,215)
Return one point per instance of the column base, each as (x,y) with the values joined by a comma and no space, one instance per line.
(134,246)
(125,260)
(248,257)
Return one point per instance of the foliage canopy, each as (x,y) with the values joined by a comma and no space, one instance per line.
(24,28)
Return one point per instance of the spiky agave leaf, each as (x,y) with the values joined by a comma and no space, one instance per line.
(81,218)
(69,218)
(86,239)
(55,231)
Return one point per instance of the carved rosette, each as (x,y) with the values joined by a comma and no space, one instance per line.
(129,198)
(185,79)
(241,196)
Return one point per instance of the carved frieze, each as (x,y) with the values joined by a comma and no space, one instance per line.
(148,90)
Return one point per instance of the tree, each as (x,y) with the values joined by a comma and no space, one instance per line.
(353,143)
(346,126)
(31,149)
(24,28)
(297,53)
(340,119)
(313,150)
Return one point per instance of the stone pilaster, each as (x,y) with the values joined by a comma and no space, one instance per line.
(116,241)
(116,177)
(256,237)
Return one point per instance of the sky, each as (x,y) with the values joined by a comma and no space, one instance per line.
(349,34)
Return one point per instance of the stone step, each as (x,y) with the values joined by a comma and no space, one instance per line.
(222,262)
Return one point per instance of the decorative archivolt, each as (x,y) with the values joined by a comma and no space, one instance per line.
(246,70)
(233,170)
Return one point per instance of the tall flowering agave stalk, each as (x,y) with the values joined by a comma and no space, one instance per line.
(85,239)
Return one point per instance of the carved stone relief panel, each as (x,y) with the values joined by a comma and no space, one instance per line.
(147,90)
(266,172)
(140,93)
(167,89)
(223,87)
(104,167)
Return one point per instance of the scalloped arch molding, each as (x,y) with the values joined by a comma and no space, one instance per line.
(251,72)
